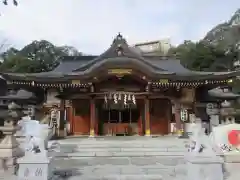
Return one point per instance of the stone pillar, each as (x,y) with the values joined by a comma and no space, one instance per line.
(61,127)
(147,117)
(92,118)
(178,118)
(200,167)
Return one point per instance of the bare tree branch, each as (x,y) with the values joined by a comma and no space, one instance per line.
(14,2)
(3,45)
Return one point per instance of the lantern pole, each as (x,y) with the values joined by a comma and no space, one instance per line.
(184,119)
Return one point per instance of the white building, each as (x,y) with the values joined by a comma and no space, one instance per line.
(159,47)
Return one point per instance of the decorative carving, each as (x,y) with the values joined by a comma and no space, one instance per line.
(119,37)
(119,50)
(32,145)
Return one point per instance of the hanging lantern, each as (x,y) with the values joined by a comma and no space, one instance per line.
(183,114)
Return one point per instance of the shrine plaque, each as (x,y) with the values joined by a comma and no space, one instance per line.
(120,71)
(75,81)
(164,81)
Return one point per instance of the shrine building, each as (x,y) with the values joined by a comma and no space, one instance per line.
(121,91)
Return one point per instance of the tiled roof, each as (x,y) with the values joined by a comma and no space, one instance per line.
(120,55)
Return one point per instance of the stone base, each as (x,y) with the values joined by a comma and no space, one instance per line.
(35,167)
(61,133)
(204,166)
(232,157)
(8,158)
(91,136)
(9,165)
(184,135)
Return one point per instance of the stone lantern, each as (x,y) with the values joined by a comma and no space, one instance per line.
(9,147)
(225,98)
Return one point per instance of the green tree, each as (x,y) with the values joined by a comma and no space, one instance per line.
(182,52)
(38,56)
(17,64)
(201,56)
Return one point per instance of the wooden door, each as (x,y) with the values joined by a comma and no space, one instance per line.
(81,117)
(160,113)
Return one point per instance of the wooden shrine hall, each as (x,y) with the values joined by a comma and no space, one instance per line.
(121,91)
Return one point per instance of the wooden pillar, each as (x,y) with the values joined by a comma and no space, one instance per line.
(147,117)
(71,119)
(61,130)
(178,117)
(92,118)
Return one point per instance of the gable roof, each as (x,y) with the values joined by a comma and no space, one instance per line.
(71,64)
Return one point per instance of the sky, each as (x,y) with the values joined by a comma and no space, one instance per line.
(91,25)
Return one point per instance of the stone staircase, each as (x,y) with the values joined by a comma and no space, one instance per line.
(121,158)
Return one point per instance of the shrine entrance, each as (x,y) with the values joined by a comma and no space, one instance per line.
(118,117)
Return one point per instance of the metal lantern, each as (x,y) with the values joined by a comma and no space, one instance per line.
(212,109)
(183,114)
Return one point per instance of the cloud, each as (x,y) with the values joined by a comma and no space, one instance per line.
(90,25)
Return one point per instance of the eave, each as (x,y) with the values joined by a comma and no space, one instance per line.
(60,77)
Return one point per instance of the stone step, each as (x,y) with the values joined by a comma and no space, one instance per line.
(133,144)
(125,142)
(141,162)
(120,154)
(122,177)
(124,149)
(128,145)
(126,172)
(125,145)
(130,149)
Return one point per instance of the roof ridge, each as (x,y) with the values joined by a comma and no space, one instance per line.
(77,58)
